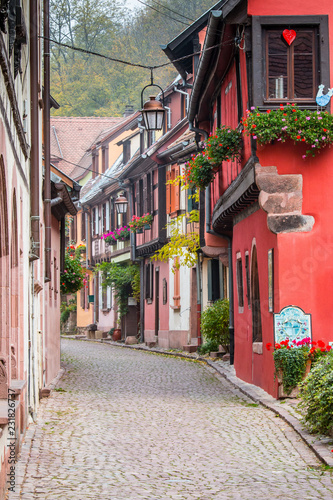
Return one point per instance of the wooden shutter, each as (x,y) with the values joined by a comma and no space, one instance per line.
(138,199)
(209,280)
(107,216)
(109,297)
(176,285)
(152,192)
(100,292)
(96,220)
(168,192)
(177,189)
(145,194)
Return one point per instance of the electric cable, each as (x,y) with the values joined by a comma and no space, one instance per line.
(174,11)
(163,14)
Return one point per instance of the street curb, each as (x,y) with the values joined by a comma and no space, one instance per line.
(314,441)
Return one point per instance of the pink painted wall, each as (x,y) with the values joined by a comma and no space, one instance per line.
(52,309)
(163,308)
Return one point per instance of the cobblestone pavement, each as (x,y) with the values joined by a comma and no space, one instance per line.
(126,424)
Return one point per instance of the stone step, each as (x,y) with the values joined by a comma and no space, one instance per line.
(190,348)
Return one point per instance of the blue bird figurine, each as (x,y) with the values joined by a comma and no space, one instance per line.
(323,99)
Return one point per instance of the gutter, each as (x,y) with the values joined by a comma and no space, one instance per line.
(34,139)
(210,40)
(47,150)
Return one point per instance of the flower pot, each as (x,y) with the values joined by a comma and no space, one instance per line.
(147,226)
(139,231)
(295,391)
(116,334)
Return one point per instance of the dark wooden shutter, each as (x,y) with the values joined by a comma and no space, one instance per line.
(145,193)
(177,189)
(168,192)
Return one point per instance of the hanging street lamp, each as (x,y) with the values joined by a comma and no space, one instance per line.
(121,204)
(153,111)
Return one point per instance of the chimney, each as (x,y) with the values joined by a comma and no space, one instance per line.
(129,110)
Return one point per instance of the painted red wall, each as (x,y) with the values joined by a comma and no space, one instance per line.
(253,230)
(306,261)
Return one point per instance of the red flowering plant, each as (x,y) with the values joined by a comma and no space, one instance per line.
(223,145)
(71,280)
(198,171)
(70,250)
(291,357)
(139,222)
(313,128)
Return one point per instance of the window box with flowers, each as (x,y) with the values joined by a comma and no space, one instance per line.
(137,224)
(122,233)
(224,145)
(71,250)
(71,280)
(293,360)
(109,238)
(80,249)
(313,128)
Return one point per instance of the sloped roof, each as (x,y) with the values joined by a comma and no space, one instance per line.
(72,136)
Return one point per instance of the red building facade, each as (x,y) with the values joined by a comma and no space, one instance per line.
(272,206)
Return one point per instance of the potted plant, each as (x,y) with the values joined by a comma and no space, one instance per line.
(293,360)
(80,249)
(122,233)
(198,171)
(137,224)
(313,128)
(223,145)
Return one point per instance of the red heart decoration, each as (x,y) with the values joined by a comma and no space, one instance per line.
(289,36)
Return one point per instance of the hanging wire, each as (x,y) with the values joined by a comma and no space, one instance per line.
(163,13)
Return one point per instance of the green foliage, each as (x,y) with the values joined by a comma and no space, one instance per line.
(313,128)
(317,396)
(71,280)
(66,309)
(223,145)
(181,246)
(86,85)
(124,279)
(207,347)
(290,363)
(215,322)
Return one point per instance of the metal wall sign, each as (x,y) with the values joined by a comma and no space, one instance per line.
(292,323)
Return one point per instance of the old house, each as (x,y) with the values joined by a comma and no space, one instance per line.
(267,214)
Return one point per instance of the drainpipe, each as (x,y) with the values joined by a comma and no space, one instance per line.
(231,284)
(34,140)
(46,133)
(187,97)
(199,299)
(198,131)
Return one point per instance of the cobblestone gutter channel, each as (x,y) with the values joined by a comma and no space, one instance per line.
(322,446)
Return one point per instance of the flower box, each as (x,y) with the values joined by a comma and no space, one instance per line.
(137,224)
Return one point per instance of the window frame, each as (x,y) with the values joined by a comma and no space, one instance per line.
(259,25)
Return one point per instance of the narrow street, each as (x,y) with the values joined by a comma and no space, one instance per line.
(125,424)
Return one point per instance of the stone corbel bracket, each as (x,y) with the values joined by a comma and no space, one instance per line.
(281,198)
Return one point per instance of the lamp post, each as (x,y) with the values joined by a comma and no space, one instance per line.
(153,111)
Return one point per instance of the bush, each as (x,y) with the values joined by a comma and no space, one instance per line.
(210,346)
(66,309)
(215,323)
(317,396)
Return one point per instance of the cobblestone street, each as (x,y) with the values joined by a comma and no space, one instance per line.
(125,424)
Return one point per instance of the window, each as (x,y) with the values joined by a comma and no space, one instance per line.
(247,274)
(283,72)
(149,280)
(214,288)
(103,217)
(176,284)
(239,275)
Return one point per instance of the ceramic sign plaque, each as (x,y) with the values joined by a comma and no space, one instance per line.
(292,323)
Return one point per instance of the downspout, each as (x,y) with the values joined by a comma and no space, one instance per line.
(199,299)
(46,133)
(34,140)
(231,285)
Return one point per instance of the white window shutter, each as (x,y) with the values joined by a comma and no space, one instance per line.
(96,220)
(109,297)
(107,216)
(100,292)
